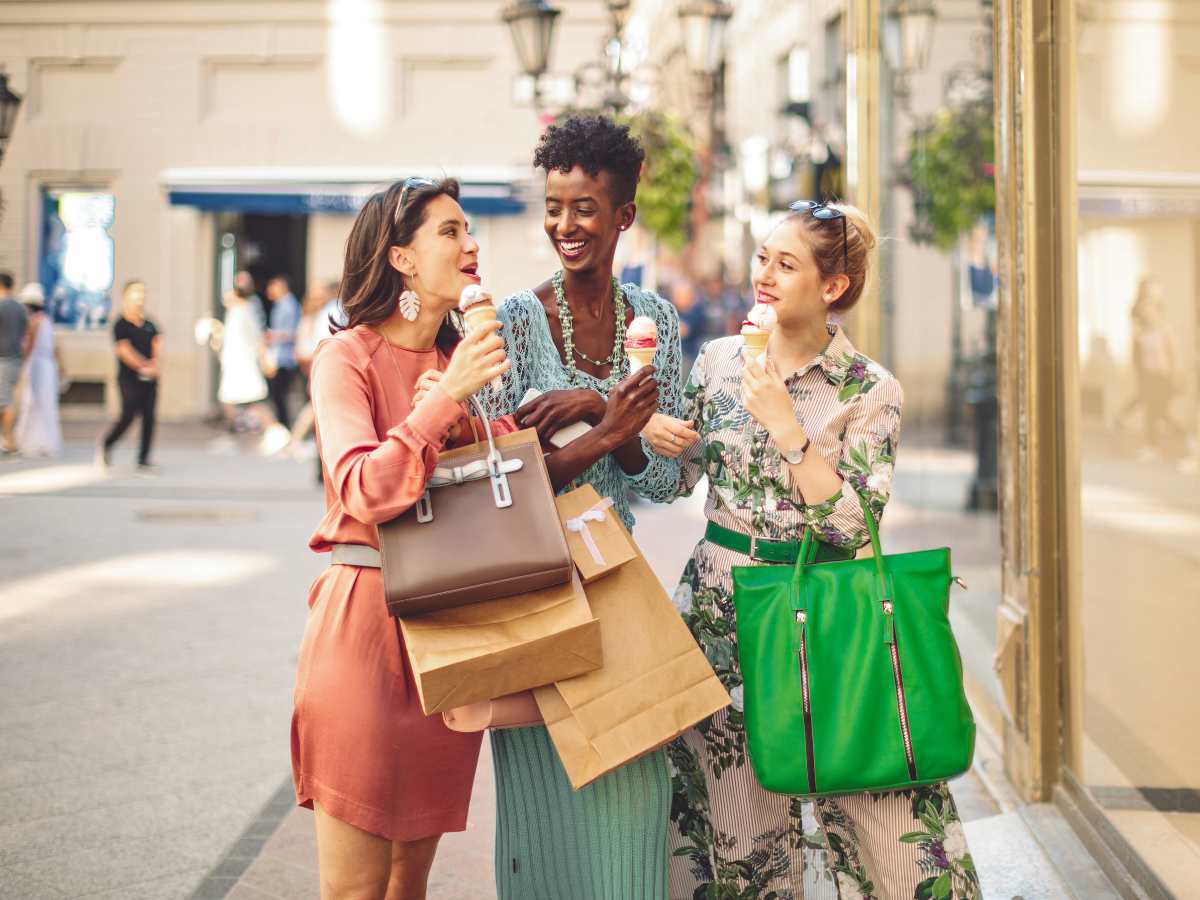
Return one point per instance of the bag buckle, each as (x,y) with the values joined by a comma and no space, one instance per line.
(425,508)
(498,470)
(755,540)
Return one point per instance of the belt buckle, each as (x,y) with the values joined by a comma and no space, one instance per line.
(754,540)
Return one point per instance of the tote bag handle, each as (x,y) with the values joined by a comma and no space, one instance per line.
(883,581)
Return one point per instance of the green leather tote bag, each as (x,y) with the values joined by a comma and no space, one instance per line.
(852,678)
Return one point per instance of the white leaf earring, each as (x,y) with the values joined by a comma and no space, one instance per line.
(410,305)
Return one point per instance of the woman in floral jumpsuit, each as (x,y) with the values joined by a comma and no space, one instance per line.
(836,414)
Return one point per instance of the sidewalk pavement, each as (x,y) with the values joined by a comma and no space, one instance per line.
(148,630)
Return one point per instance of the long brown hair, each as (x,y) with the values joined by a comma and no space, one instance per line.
(371,286)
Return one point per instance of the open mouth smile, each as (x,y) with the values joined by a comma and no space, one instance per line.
(572,249)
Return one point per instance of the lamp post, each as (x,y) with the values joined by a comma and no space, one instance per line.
(704,24)
(531,24)
(10,102)
(908,40)
(621,10)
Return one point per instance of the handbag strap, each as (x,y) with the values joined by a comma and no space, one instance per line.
(883,581)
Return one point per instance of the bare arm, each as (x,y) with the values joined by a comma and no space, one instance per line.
(30,334)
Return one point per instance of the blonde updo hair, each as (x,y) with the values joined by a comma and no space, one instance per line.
(824,239)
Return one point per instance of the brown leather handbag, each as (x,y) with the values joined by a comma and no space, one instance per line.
(486,527)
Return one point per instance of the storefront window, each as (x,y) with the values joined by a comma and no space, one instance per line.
(77,256)
(1135,718)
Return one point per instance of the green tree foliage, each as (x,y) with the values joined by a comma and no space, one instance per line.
(665,193)
(951,165)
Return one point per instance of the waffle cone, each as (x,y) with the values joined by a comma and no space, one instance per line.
(756,343)
(479,314)
(642,356)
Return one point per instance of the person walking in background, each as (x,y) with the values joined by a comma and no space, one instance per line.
(39,432)
(1158,384)
(137,343)
(282,324)
(693,319)
(314,327)
(245,366)
(14,323)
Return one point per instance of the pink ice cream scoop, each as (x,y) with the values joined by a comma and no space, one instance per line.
(641,342)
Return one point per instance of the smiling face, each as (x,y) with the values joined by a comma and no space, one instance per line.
(785,276)
(582,220)
(443,257)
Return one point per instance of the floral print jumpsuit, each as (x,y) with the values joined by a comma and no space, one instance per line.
(729,838)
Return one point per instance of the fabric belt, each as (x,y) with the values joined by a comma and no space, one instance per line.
(355,555)
(768,551)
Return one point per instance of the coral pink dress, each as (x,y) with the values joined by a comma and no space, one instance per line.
(361,747)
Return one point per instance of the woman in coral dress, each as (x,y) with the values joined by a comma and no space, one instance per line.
(385,780)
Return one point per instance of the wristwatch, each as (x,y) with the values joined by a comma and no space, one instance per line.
(795,456)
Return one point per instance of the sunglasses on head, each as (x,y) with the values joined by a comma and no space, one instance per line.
(409,184)
(825,213)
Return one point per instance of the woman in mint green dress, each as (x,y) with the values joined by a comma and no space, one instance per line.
(565,338)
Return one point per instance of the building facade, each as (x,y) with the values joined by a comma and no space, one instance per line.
(176,142)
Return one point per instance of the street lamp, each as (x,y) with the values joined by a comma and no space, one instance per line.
(704,24)
(531,23)
(621,10)
(10,102)
(916,19)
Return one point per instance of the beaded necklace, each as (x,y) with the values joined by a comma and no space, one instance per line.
(570,351)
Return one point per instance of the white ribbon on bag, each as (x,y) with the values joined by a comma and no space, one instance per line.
(579,525)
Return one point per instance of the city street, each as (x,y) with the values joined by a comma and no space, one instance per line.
(148,636)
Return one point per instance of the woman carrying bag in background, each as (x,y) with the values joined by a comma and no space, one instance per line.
(788,440)
(385,780)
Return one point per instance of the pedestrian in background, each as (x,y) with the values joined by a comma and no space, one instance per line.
(39,432)
(137,343)
(282,324)
(693,319)
(314,327)
(1157,378)
(245,365)
(14,323)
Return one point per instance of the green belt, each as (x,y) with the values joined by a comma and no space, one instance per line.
(767,551)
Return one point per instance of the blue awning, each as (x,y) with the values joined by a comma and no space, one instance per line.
(280,203)
(289,192)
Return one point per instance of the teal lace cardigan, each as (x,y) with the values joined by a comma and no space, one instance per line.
(536,363)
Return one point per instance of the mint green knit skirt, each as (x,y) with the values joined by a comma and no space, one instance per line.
(605,842)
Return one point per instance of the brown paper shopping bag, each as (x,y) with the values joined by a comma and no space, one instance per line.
(486,650)
(655,682)
(595,536)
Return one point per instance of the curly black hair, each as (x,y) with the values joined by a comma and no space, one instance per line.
(595,144)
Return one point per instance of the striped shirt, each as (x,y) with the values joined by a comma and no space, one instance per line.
(848,405)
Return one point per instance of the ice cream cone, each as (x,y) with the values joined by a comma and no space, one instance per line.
(641,356)
(479,314)
(476,315)
(755,341)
